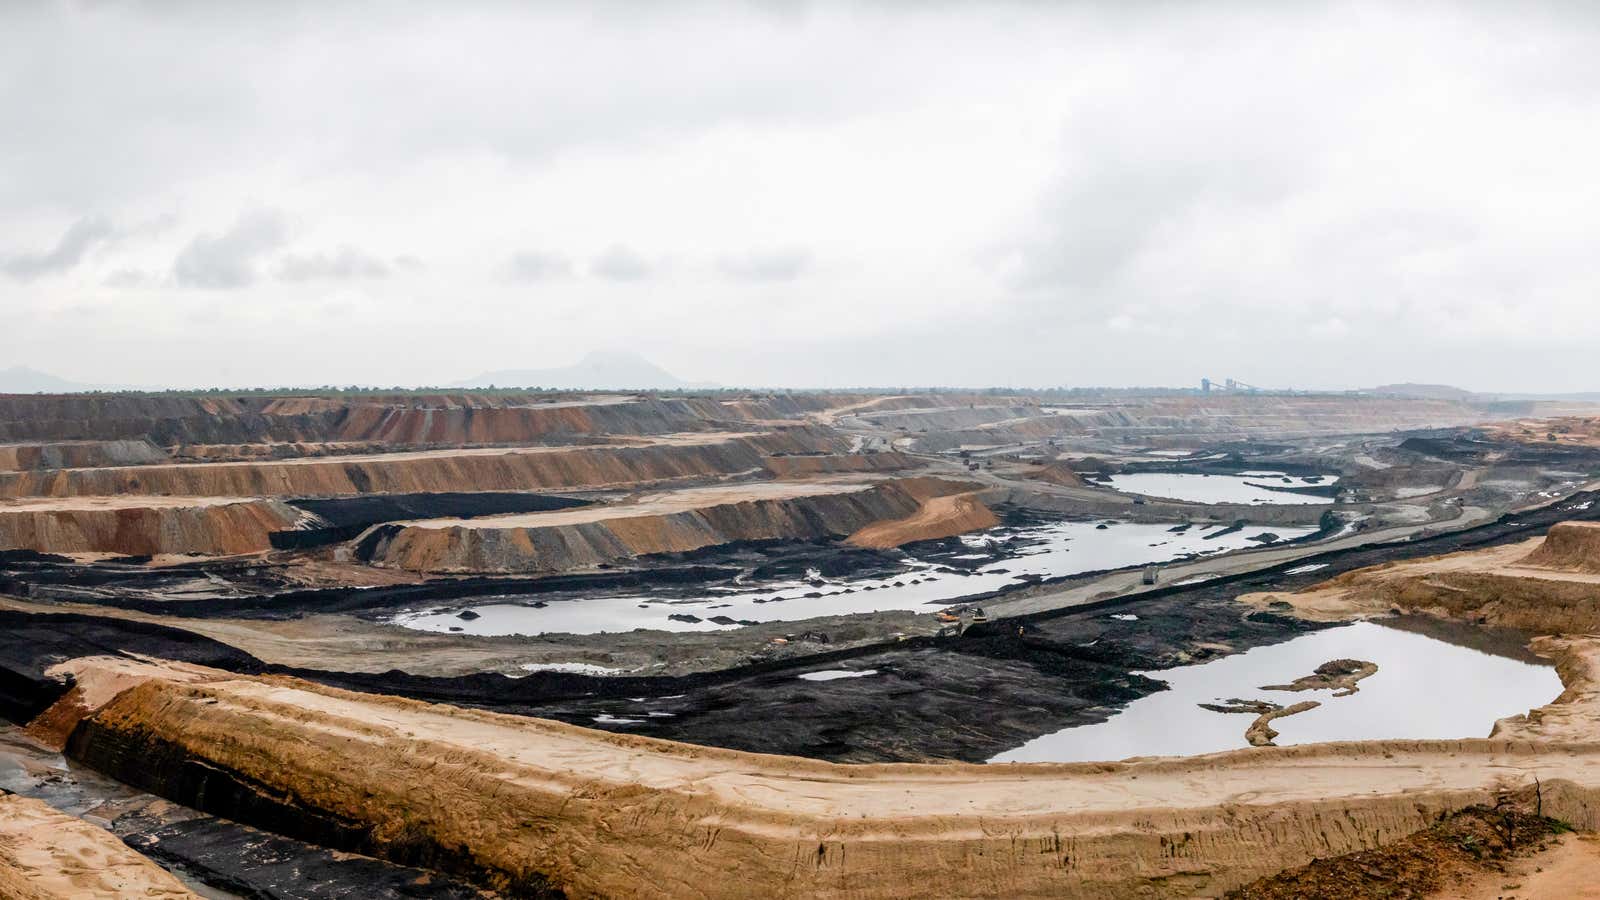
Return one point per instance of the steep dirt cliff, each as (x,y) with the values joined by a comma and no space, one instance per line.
(144,526)
(665,523)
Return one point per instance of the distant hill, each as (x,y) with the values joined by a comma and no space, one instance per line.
(1425,392)
(23,380)
(597,371)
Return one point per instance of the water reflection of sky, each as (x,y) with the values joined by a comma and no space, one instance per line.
(1424,688)
(1197,488)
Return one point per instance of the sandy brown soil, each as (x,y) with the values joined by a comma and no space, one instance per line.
(1057,473)
(47,855)
(1569,547)
(1579,431)
(939,517)
(1498,852)
(211,526)
(1567,869)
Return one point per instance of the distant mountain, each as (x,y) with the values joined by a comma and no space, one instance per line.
(23,380)
(597,371)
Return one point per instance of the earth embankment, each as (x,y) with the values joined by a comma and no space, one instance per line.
(532,805)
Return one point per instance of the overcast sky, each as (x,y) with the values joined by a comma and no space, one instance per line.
(1309,195)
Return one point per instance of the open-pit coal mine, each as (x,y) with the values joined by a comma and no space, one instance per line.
(534,644)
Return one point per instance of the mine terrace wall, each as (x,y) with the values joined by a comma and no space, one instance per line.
(443,419)
(511,470)
(209,528)
(77,454)
(485,546)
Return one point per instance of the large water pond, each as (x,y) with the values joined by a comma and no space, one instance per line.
(1424,688)
(1053,550)
(1246,487)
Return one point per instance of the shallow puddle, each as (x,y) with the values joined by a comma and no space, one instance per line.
(1061,548)
(836,674)
(1242,488)
(1424,688)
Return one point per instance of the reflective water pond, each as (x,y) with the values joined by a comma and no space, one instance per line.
(1424,688)
(1248,487)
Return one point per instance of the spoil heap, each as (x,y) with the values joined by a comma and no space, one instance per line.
(1569,547)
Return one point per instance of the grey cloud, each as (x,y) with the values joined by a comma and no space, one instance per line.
(532,266)
(767,265)
(346,264)
(619,263)
(75,243)
(126,279)
(228,260)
